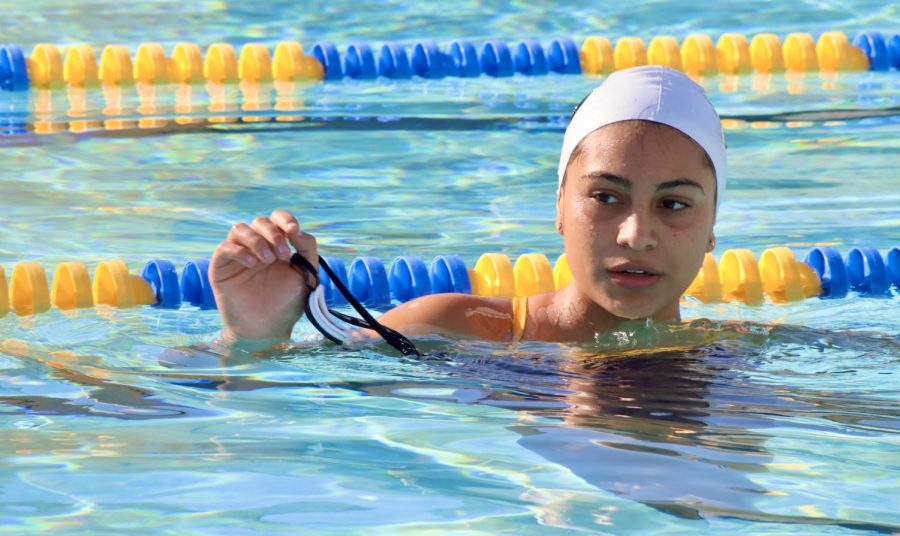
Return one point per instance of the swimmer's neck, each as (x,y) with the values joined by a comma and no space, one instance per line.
(570,314)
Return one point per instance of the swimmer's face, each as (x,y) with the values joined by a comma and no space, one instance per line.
(637,196)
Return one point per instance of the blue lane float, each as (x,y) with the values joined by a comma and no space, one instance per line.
(562,57)
(496,59)
(369,282)
(464,59)
(195,287)
(866,272)
(408,279)
(893,50)
(893,267)
(359,62)
(393,62)
(13,68)
(448,273)
(163,280)
(333,296)
(428,60)
(875,47)
(328,55)
(827,262)
(530,59)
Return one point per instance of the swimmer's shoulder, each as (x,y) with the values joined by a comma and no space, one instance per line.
(453,315)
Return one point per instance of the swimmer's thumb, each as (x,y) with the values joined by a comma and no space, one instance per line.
(305,244)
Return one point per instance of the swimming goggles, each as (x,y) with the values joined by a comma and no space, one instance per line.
(329,322)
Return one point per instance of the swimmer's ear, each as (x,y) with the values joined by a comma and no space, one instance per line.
(559,210)
(711,245)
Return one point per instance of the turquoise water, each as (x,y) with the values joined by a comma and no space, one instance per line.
(787,424)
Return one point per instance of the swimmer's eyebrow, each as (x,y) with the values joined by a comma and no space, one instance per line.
(678,182)
(626,183)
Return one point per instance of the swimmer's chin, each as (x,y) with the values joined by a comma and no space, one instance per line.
(630,311)
(641,305)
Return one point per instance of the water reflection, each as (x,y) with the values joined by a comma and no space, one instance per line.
(683,431)
(649,428)
(103,395)
(680,429)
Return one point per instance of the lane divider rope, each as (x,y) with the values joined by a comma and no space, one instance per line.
(732,53)
(737,276)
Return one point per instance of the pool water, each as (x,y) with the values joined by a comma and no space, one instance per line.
(787,421)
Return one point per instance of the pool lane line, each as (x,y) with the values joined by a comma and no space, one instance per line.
(78,65)
(777,277)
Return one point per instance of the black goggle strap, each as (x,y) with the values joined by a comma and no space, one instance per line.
(392,337)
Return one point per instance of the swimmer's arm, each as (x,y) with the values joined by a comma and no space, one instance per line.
(453,315)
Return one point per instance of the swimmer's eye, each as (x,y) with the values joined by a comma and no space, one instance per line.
(673,204)
(606,199)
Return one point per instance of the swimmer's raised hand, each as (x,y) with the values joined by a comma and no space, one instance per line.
(259,295)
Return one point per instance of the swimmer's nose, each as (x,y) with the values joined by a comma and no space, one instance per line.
(636,232)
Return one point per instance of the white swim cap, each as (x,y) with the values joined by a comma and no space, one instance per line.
(651,93)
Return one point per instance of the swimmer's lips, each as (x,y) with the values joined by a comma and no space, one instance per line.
(624,276)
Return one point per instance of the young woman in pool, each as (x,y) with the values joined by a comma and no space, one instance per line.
(641,172)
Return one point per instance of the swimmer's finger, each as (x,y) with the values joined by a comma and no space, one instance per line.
(304,243)
(243,235)
(274,235)
(228,252)
(285,221)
